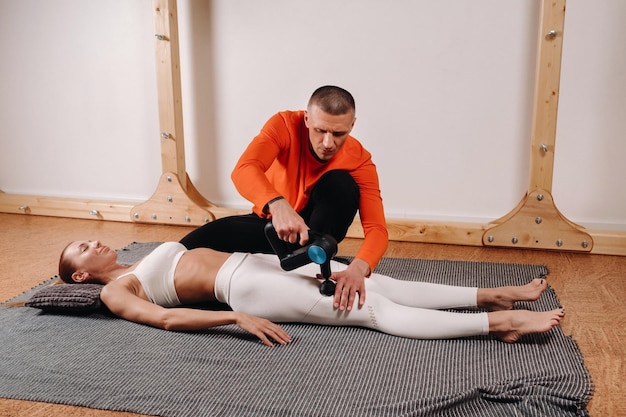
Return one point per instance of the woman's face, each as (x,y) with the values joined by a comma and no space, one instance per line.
(90,256)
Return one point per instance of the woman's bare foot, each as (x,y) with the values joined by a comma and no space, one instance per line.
(503,298)
(510,325)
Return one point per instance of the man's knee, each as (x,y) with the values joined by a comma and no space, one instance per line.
(333,204)
(340,186)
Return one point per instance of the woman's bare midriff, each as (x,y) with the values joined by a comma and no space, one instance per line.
(195,274)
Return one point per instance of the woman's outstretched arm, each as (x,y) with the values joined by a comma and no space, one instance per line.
(124,304)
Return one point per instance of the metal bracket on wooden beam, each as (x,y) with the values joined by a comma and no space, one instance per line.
(536,223)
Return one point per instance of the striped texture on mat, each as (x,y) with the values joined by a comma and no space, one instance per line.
(101,362)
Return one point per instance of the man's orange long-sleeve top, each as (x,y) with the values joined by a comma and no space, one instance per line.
(279,162)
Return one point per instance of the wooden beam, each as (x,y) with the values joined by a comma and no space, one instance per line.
(176,200)
(65,207)
(536,222)
(608,242)
(546,98)
(425,231)
(169,88)
(422,231)
(600,242)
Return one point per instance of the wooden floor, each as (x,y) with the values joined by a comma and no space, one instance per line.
(591,287)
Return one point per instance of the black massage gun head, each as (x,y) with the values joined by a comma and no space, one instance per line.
(320,249)
(327,288)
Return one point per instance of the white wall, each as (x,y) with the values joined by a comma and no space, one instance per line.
(78,105)
(444,97)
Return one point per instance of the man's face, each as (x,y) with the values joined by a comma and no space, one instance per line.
(327,133)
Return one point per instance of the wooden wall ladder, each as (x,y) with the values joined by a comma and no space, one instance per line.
(535,223)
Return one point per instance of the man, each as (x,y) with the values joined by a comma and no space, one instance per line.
(305,171)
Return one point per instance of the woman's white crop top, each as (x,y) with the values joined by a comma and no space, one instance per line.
(155,272)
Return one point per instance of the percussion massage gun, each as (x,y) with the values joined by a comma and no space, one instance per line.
(320,249)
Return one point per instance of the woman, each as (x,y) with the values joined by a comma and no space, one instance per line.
(259,291)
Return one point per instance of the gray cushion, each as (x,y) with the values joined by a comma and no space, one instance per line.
(67,298)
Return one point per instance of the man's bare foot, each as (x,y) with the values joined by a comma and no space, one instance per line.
(510,325)
(503,298)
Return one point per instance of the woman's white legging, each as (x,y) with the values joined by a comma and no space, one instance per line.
(255,284)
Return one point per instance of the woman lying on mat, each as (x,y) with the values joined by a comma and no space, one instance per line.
(258,290)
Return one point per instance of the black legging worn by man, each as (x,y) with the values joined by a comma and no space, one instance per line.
(331,209)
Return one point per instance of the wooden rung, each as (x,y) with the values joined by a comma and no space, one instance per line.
(64,207)
(427,231)
(536,223)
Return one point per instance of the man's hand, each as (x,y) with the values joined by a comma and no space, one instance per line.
(350,282)
(262,328)
(288,223)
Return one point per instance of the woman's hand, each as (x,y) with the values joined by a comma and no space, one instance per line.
(262,328)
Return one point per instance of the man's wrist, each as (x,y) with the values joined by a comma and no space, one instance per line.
(362,266)
(266,208)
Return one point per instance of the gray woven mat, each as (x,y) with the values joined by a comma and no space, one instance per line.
(101,362)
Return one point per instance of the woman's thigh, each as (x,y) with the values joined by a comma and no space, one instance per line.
(261,288)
